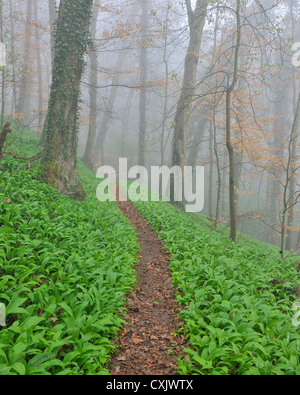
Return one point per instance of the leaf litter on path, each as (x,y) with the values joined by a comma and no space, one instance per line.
(148,335)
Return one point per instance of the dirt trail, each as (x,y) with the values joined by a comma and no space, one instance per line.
(146,338)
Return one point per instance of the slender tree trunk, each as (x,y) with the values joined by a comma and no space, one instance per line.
(104,125)
(211,169)
(196,24)
(13,57)
(2,71)
(232,198)
(166,63)
(39,67)
(219,175)
(143,79)
(62,125)
(24,96)
(125,124)
(292,185)
(196,142)
(288,200)
(90,144)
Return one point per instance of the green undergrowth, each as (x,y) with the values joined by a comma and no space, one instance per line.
(237,299)
(65,269)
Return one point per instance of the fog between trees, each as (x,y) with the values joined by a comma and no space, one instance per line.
(173,83)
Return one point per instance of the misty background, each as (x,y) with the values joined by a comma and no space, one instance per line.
(132,84)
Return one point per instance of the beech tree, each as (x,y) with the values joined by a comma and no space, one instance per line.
(71,42)
(196,20)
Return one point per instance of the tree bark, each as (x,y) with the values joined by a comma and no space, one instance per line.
(143,79)
(62,126)
(39,67)
(229,145)
(89,148)
(13,57)
(104,125)
(292,185)
(24,95)
(52,20)
(3,135)
(2,71)
(196,24)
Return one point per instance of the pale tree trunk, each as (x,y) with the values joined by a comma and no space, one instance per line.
(26,82)
(219,175)
(62,126)
(125,124)
(52,20)
(39,67)
(229,145)
(104,125)
(292,185)
(196,24)
(196,141)
(166,63)
(211,169)
(89,148)
(143,79)
(2,71)
(13,57)
(214,129)
(290,201)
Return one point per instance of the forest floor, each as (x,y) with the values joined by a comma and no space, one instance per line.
(147,344)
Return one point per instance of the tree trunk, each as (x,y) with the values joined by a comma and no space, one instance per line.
(166,64)
(104,125)
(2,71)
(13,57)
(211,169)
(143,79)
(125,124)
(232,201)
(52,20)
(62,126)
(290,201)
(89,148)
(196,24)
(3,135)
(292,185)
(24,96)
(39,67)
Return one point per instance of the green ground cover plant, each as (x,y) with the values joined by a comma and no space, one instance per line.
(237,298)
(65,270)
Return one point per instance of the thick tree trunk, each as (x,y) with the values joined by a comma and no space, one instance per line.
(52,20)
(196,23)
(62,126)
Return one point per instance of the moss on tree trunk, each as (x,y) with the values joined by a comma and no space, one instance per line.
(71,41)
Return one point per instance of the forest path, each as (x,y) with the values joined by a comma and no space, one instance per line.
(144,342)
